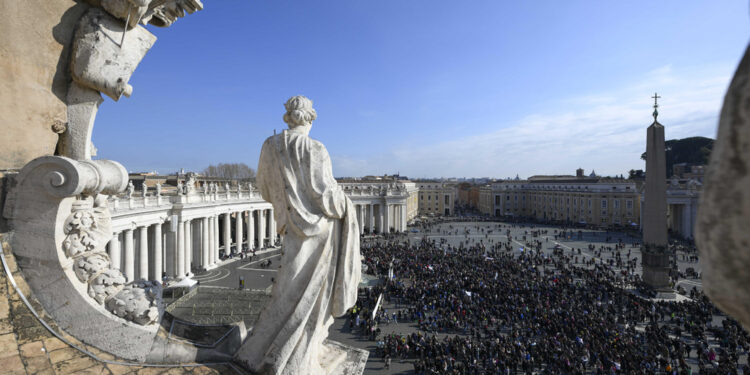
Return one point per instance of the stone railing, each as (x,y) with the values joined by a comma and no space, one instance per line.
(122,202)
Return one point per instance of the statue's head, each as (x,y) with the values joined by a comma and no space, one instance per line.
(299,112)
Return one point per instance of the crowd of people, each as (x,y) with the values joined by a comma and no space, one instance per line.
(484,308)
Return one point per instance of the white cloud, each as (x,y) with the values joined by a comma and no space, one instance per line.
(604,131)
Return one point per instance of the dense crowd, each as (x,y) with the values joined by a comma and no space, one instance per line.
(501,311)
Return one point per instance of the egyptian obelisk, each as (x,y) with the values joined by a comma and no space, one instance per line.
(655,254)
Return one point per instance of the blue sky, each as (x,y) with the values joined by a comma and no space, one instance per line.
(429,88)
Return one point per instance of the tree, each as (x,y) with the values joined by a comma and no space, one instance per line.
(635,174)
(236,171)
(693,151)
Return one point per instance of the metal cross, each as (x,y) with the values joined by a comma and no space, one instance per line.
(656,105)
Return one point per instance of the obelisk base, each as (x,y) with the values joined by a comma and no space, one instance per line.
(656,267)
(353,364)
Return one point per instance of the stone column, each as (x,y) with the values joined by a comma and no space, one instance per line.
(361,219)
(386,218)
(180,244)
(687,223)
(188,246)
(211,241)
(271,226)
(205,249)
(238,229)
(250,230)
(227,233)
(114,251)
(381,218)
(403,217)
(261,228)
(158,264)
(129,255)
(143,252)
(371,220)
(216,238)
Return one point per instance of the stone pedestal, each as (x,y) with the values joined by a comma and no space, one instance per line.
(656,265)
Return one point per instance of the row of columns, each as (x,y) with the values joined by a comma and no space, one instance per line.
(374,216)
(188,243)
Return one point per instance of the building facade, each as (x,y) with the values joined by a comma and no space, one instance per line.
(436,198)
(570,199)
(383,205)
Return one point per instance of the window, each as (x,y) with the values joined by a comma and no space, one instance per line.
(617,203)
(589,204)
(447,199)
(428,197)
(497,199)
(629,204)
(604,203)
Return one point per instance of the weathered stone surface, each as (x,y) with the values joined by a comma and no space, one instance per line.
(8,345)
(53,343)
(99,62)
(64,354)
(32,349)
(74,365)
(722,231)
(5,327)
(119,369)
(36,365)
(49,371)
(35,40)
(151,371)
(12,365)
(40,231)
(4,307)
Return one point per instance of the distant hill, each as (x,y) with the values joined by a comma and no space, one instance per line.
(693,151)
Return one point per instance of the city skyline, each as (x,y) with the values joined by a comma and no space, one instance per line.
(484,90)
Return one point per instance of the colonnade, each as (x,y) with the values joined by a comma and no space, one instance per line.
(183,243)
(376,216)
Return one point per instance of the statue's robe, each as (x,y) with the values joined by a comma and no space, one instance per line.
(320,263)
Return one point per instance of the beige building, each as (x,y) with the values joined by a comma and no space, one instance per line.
(573,199)
(436,198)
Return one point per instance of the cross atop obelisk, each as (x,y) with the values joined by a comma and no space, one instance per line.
(656,105)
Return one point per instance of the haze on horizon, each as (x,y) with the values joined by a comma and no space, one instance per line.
(448,89)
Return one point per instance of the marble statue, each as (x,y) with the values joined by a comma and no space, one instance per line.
(144,190)
(158,189)
(190,183)
(129,190)
(180,187)
(321,264)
